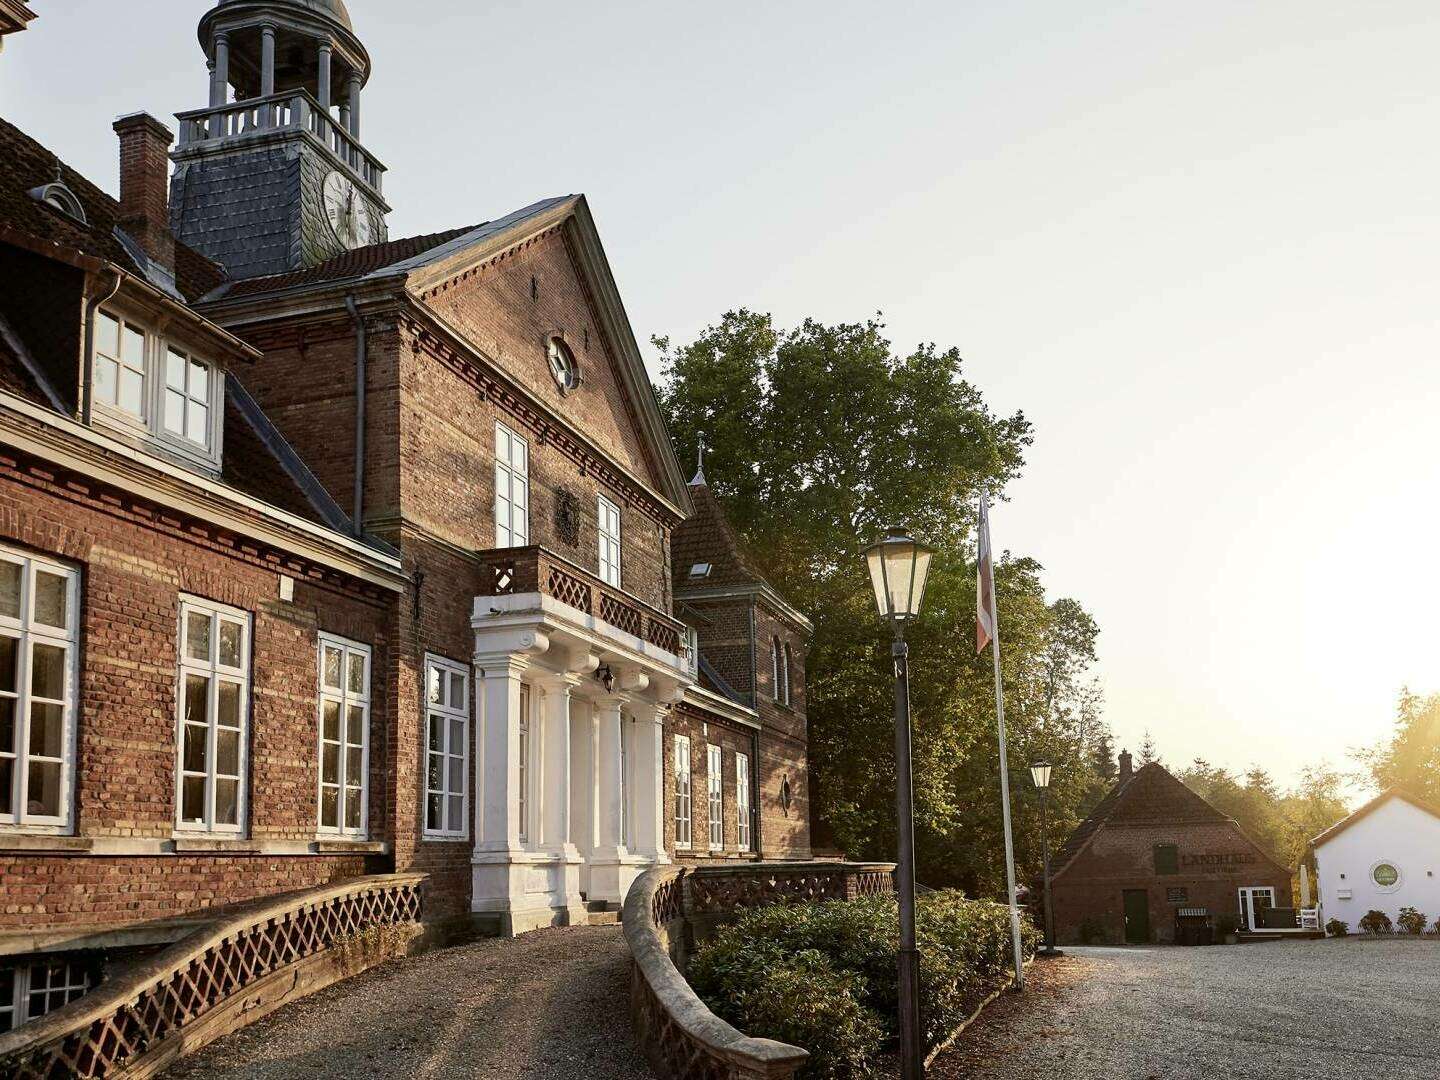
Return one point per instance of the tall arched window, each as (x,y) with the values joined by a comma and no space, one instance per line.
(777,659)
(785,663)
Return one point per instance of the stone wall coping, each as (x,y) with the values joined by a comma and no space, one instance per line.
(111,995)
(751,1057)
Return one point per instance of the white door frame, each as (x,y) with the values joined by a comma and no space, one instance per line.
(1247,903)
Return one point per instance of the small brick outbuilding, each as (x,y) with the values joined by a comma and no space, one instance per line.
(1151,849)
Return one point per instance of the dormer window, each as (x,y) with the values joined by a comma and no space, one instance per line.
(59,197)
(156,388)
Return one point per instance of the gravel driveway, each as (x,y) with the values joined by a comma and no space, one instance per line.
(554,1003)
(1286,1011)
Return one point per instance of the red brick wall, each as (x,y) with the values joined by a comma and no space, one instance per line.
(134,563)
(1089,893)
(704,729)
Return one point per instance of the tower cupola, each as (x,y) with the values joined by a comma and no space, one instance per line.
(272,175)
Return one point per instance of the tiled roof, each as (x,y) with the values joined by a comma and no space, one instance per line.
(707,537)
(352,264)
(25,165)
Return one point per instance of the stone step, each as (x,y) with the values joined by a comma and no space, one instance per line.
(602,918)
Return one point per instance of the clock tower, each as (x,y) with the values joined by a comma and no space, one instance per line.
(272,176)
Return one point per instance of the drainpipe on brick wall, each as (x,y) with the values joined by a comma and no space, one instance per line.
(359,413)
(87,371)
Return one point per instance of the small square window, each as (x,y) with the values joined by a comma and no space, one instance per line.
(700,570)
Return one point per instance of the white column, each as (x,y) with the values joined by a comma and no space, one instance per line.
(354,98)
(220,78)
(267,60)
(553,790)
(648,781)
(609,783)
(497,772)
(325,51)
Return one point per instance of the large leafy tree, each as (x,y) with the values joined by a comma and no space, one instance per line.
(820,436)
(1409,758)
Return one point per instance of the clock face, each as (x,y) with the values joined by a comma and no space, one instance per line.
(347,211)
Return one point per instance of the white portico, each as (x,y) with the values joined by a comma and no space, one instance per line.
(569,742)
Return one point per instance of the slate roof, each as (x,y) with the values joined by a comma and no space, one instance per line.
(25,165)
(707,536)
(1369,808)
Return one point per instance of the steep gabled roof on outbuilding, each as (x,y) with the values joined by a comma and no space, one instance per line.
(1369,808)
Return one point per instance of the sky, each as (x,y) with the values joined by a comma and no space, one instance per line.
(1195,244)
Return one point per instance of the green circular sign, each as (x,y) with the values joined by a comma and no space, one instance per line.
(1385,875)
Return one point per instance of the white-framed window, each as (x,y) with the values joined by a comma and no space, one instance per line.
(785,674)
(119,374)
(143,380)
(523,795)
(776,671)
(29,991)
(742,801)
(609,519)
(344,736)
(447,742)
(213,700)
(682,791)
(187,401)
(715,788)
(512,488)
(39,619)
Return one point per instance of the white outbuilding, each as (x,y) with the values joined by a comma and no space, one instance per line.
(1383,857)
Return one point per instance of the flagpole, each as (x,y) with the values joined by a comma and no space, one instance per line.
(1004,763)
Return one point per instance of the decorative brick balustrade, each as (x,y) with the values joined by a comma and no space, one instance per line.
(511,571)
(682,1038)
(216,980)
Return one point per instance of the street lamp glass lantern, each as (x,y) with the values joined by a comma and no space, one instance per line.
(1040,773)
(898,568)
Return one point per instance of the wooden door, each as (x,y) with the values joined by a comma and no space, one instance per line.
(1137,917)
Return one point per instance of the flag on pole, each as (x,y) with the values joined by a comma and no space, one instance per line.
(984,583)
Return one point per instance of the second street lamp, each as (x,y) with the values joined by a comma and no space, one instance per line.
(1040,773)
(898,568)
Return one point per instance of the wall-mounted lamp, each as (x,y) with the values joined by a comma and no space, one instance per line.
(606,677)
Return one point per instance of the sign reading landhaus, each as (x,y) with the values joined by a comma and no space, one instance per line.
(1233,858)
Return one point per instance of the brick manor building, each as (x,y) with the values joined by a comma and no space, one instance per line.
(324,553)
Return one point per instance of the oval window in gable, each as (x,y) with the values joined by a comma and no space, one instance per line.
(562,364)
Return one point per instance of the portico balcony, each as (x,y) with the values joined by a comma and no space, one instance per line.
(574,679)
(292,114)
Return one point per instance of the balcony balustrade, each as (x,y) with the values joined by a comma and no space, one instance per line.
(510,571)
(292,111)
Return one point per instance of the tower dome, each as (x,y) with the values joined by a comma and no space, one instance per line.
(295,30)
(333,9)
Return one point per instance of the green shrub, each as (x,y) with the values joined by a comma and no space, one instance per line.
(1337,928)
(1411,921)
(764,971)
(1376,922)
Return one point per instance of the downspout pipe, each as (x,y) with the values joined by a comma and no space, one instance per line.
(87,368)
(359,414)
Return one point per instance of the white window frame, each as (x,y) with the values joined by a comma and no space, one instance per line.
(344,699)
(218,674)
(512,479)
(525,730)
(27,633)
(446,711)
(608,514)
(684,806)
(775,684)
(18,1007)
(145,370)
(742,801)
(715,789)
(151,420)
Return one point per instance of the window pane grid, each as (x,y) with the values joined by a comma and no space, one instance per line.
(37,651)
(344,736)
(119,367)
(682,792)
(30,991)
(742,801)
(187,397)
(609,530)
(447,747)
(715,785)
(512,489)
(213,700)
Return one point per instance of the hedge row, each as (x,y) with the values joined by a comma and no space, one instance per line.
(822,976)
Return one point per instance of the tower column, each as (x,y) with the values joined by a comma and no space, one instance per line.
(355,104)
(325,51)
(220,78)
(267,60)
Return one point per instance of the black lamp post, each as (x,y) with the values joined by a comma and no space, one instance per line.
(1040,773)
(898,568)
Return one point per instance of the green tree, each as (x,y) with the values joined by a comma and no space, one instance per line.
(818,437)
(1409,758)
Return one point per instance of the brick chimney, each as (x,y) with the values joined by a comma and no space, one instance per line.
(1127,766)
(145,186)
